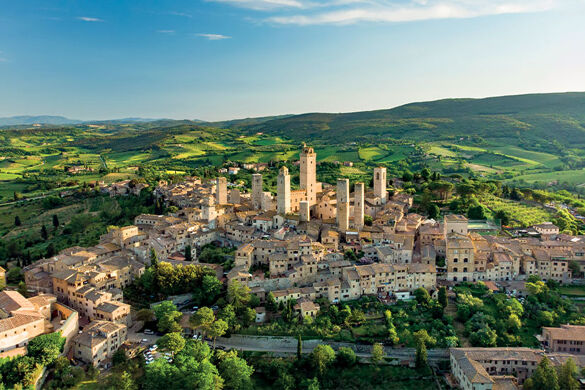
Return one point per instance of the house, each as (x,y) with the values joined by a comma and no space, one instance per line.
(98,342)
(567,338)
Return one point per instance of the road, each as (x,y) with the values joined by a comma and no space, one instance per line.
(288,345)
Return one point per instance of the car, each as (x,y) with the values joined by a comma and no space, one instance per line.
(214,307)
(153,347)
(220,347)
(196,337)
(148,331)
(195,307)
(144,341)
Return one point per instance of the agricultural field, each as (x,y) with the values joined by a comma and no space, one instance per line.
(521,214)
(576,177)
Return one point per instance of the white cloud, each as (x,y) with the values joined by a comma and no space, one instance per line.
(213,37)
(88,19)
(341,12)
(263,5)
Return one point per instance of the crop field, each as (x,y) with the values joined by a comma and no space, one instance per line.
(576,176)
(521,214)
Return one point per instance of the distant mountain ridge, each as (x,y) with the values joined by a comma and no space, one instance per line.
(56,120)
(533,118)
(33,119)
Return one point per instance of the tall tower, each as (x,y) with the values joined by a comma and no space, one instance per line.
(380,183)
(308,175)
(283,191)
(221,190)
(234,197)
(358,206)
(304,215)
(343,204)
(257,192)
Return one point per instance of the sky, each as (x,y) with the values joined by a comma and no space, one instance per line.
(226,59)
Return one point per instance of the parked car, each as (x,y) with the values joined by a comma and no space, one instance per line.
(148,331)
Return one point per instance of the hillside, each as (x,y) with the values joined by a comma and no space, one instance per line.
(527,140)
(543,118)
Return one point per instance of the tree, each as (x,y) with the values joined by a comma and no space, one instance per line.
(17,221)
(271,302)
(421,339)
(484,337)
(202,319)
(217,329)
(443,296)
(172,342)
(238,294)
(513,324)
(476,212)
(211,288)
(299,347)
(55,221)
(503,216)
(153,259)
(167,316)
(543,378)
(377,353)
(346,357)
(575,268)
(422,296)
(568,374)
(368,220)
(14,275)
(120,381)
(188,254)
(44,233)
(22,289)
(145,315)
(119,358)
(45,349)
(321,357)
(50,250)
(433,211)
(235,371)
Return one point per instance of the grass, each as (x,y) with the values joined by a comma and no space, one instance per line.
(575,176)
(572,291)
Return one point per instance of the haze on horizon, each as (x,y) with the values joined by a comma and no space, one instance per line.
(226,59)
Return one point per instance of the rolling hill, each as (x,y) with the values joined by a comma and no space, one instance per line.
(542,118)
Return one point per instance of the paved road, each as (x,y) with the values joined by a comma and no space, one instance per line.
(288,345)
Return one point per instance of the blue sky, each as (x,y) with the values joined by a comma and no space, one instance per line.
(222,59)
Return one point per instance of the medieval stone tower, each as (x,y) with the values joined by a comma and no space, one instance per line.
(380,183)
(283,191)
(308,174)
(358,206)
(221,190)
(343,204)
(304,215)
(257,193)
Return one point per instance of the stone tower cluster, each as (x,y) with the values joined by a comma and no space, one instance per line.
(358,206)
(308,174)
(221,195)
(257,193)
(380,184)
(343,204)
(283,191)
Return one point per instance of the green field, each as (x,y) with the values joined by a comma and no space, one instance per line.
(576,177)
